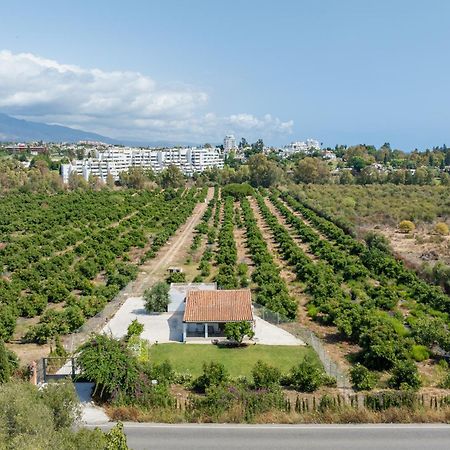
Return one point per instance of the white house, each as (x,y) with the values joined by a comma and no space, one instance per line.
(207,312)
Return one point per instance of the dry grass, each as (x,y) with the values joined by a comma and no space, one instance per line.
(342,415)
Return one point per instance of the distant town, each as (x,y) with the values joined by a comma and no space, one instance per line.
(306,160)
(87,158)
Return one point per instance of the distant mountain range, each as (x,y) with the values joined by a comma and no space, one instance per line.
(19,130)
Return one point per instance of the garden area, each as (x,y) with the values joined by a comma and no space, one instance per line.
(237,361)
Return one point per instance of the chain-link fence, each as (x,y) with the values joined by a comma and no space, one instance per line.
(331,367)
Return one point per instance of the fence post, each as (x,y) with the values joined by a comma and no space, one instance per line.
(72,360)
(44,369)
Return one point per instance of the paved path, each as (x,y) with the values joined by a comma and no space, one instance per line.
(90,414)
(286,437)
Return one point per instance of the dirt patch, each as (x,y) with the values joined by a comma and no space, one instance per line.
(415,249)
(243,255)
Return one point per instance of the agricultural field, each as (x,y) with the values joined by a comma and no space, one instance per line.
(63,257)
(370,310)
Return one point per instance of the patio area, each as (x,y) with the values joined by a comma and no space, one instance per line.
(167,327)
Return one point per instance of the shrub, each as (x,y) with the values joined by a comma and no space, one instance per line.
(375,240)
(265,376)
(405,376)
(406,226)
(8,363)
(33,419)
(163,372)
(445,384)
(116,439)
(214,374)
(7,322)
(313,311)
(134,329)
(237,190)
(362,378)
(419,353)
(441,228)
(306,377)
(176,277)
(31,305)
(62,400)
(236,331)
(328,380)
(242,269)
(157,298)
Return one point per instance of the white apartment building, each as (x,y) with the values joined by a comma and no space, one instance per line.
(229,143)
(308,146)
(114,160)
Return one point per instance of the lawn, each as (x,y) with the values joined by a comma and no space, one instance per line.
(238,361)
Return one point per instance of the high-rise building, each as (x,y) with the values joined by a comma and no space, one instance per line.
(229,143)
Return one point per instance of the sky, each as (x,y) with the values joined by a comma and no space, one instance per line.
(342,72)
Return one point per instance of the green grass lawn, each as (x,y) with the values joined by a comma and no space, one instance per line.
(238,361)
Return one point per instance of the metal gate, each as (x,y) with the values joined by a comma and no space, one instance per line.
(55,368)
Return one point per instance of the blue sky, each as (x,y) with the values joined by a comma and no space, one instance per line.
(339,71)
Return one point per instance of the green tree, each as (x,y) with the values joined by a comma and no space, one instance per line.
(236,331)
(346,177)
(263,172)
(243,143)
(43,419)
(157,297)
(357,163)
(109,364)
(172,177)
(176,277)
(311,170)
(134,178)
(7,322)
(62,399)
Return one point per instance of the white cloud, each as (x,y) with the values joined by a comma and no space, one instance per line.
(117,103)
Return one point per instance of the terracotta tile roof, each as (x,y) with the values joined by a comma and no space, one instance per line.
(218,306)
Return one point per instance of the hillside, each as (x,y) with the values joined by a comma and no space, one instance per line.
(12,129)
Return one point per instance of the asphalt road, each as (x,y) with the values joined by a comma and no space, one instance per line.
(275,437)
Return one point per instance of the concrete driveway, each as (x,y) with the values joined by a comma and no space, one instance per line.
(163,327)
(167,327)
(268,334)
